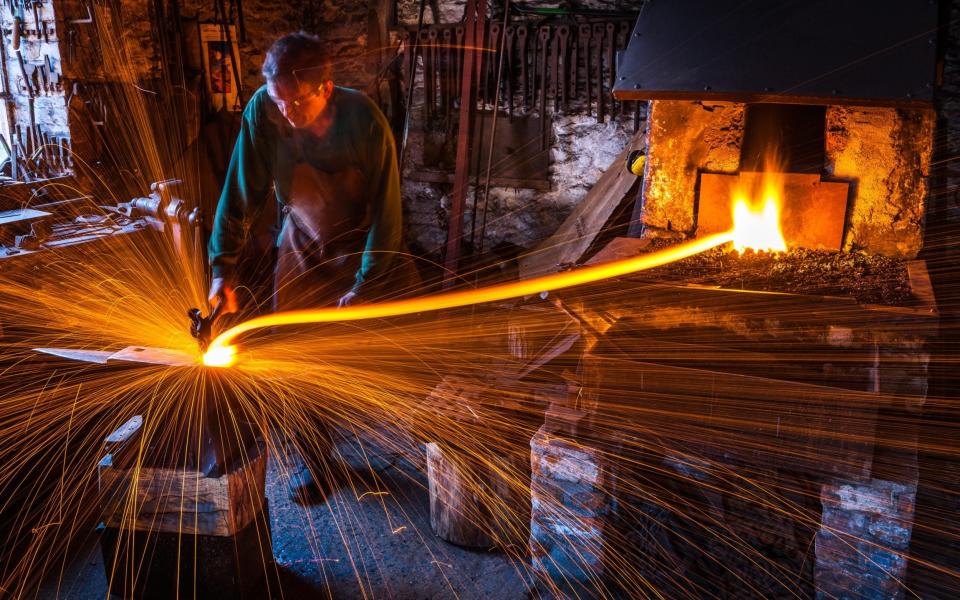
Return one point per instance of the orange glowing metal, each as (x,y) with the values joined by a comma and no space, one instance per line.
(221,353)
(759,229)
(221,356)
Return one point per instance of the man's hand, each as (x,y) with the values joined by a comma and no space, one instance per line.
(347,299)
(222,292)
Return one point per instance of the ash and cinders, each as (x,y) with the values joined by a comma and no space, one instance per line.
(867,278)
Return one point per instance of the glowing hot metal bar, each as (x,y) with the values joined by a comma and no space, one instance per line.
(222,354)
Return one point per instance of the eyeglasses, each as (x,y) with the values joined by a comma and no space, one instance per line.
(298,101)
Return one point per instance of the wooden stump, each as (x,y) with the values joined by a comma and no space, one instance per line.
(185,524)
(479,505)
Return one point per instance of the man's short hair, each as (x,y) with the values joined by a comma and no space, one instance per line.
(298,56)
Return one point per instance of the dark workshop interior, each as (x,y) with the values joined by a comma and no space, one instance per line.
(479,299)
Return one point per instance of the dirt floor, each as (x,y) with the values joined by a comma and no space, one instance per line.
(356,545)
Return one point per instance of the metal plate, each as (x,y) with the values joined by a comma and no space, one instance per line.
(811,216)
(155,356)
(91,356)
(807,51)
(131,354)
(22,215)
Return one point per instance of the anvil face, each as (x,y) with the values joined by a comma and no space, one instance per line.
(131,354)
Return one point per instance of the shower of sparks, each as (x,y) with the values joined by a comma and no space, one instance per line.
(688,526)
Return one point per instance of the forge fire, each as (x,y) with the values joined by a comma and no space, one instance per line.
(479,299)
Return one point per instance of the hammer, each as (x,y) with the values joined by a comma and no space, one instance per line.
(202,327)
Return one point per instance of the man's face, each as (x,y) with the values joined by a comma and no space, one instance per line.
(300,103)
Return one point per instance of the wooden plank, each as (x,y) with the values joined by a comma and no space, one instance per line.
(575,235)
(183,501)
(620,248)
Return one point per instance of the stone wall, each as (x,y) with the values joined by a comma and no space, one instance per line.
(886,154)
(685,138)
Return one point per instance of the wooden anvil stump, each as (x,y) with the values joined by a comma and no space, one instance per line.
(479,475)
(184,507)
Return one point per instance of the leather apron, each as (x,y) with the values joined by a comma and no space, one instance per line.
(323,237)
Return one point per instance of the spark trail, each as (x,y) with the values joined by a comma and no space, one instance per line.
(221,353)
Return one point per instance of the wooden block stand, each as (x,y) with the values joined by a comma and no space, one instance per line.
(185,533)
(479,505)
(480,481)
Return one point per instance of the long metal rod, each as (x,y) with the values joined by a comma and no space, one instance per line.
(414,46)
(493,134)
(475,14)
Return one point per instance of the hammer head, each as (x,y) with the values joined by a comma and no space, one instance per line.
(202,327)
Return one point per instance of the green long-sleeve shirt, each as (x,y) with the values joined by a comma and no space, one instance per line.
(268,149)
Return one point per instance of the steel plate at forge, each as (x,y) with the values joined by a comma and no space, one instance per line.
(144,355)
(155,356)
(99,357)
(812,212)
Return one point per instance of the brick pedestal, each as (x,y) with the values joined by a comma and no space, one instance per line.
(864,539)
(572,501)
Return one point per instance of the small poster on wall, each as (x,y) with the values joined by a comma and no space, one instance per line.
(221,64)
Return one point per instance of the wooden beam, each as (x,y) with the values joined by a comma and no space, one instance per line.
(575,235)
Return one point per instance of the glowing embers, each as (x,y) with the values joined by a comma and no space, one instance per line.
(756,226)
(220,356)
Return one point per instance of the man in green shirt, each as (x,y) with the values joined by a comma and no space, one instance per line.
(329,155)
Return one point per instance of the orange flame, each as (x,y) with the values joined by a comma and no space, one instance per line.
(758,227)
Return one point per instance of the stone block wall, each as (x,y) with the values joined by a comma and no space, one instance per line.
(685,138)
(885,153)
(572,500)
(863,543)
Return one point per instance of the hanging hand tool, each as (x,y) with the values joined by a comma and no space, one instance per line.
(611,29)
(424,44)
(564,34)
(447,82)
(524,81)
(434,71)
(35,80)
(623,34)
(509,34)
(458,34)
(17,31)
(23,71)
(544,39)
(584,41)
(407,59)
(489,65)
(597,34)
(574,63)
(555,71)
(36,16)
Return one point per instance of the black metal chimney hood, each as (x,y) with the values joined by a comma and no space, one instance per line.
(854,52)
